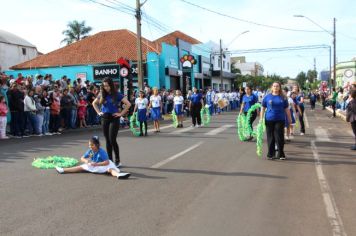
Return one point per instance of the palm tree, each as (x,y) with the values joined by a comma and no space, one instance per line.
(75,32)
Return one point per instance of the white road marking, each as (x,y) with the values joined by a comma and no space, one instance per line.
(161,163)
(164,127)
(179,131)
(330,205)
(306,121)
(321,135)
(218,130)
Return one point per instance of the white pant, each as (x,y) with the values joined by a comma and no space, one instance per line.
(3,122)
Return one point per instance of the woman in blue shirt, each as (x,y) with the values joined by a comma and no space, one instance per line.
(274,110)
(195,105)
(248,100)
(110,100)
(95,160)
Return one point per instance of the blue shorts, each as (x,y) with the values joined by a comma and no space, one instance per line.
(156,113)
(179,109)
(142,115)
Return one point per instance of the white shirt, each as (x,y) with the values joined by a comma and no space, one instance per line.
(178,100)
(141,103)
(155,101)
(290,103)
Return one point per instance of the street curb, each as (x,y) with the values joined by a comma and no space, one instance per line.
(338,113)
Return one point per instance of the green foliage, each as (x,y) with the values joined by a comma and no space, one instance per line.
(75,31)
(301,79)
(259,81)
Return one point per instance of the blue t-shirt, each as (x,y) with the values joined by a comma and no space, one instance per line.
(98,156)
(111,107)
(195,98)
(275,105)
(298,100)
(249,101)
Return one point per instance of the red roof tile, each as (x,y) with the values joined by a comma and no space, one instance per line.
(103,47)
(172,37)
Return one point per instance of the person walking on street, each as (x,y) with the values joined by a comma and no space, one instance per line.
(274,110)
(179,108)
(110,100)
(156,107)
(195,105)
(299,101)
(247,102)
(334,96)
(141,106)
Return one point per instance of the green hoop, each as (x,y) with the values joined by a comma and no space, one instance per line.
(243,127)
(174,119)
(205,116)
(134,123)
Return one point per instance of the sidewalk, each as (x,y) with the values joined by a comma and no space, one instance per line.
(339,113)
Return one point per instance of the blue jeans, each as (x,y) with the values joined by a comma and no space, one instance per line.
(73,118)
(39,123)
(45,125)
(31,122)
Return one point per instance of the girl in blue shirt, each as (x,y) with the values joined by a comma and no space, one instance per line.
(299,101)
(95,160)
(247,102)
(110,100)
(274,110)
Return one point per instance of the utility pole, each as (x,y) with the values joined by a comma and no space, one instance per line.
(139,44)
(334,42)
(221,66)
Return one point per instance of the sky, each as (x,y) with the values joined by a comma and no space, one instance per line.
(41,22)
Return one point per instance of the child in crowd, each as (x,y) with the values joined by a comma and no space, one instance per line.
(3,118)
(95,160)
(82,111)
(124,122)
(141,106)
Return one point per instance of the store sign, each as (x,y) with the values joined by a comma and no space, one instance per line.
(111,71)
(134,69)
(188,61)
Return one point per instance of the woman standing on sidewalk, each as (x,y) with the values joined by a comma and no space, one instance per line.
(299,101)
(351,114)
(110,100)
(274,110)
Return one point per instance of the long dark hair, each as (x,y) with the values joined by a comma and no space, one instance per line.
(104,94)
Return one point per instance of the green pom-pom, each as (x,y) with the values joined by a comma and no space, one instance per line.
(205,116)
(52,161)
(134,123)
(174,119)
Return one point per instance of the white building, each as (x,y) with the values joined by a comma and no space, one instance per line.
(14,50)
(248,68)
(228,77)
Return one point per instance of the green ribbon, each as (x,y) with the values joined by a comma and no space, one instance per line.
(205,116)
(244,129)
(54,161)
(174,119)
(134,123)
(261,127)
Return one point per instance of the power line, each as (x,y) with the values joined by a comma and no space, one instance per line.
(262,50)
(248,21)
(108,6)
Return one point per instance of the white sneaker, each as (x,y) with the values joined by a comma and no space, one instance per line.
(192,126)
(301,134)
(123,175)
(49,134)
(60,170)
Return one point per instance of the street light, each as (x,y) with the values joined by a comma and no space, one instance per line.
(333,34)
(221,57)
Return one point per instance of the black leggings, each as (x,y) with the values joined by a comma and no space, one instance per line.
(141,127)
(275,135)
(353,125)
(196,113)
(111,126)
(301,120)
(252,118)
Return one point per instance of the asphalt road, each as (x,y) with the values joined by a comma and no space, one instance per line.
(200,181)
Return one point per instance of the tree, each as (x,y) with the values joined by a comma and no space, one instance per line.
(312,75)
(75,31)
(301,79)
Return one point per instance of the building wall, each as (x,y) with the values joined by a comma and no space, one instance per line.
(11,55)
(216,82)
(345,73)
(153,64)
(57,72)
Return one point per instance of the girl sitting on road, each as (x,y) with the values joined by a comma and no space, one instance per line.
(95,160)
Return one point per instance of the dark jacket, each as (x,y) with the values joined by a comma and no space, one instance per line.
(16,98)
(351,111)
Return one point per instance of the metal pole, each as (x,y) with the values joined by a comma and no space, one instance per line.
(330,82)
(221,66)
(334,42)
(139,45)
